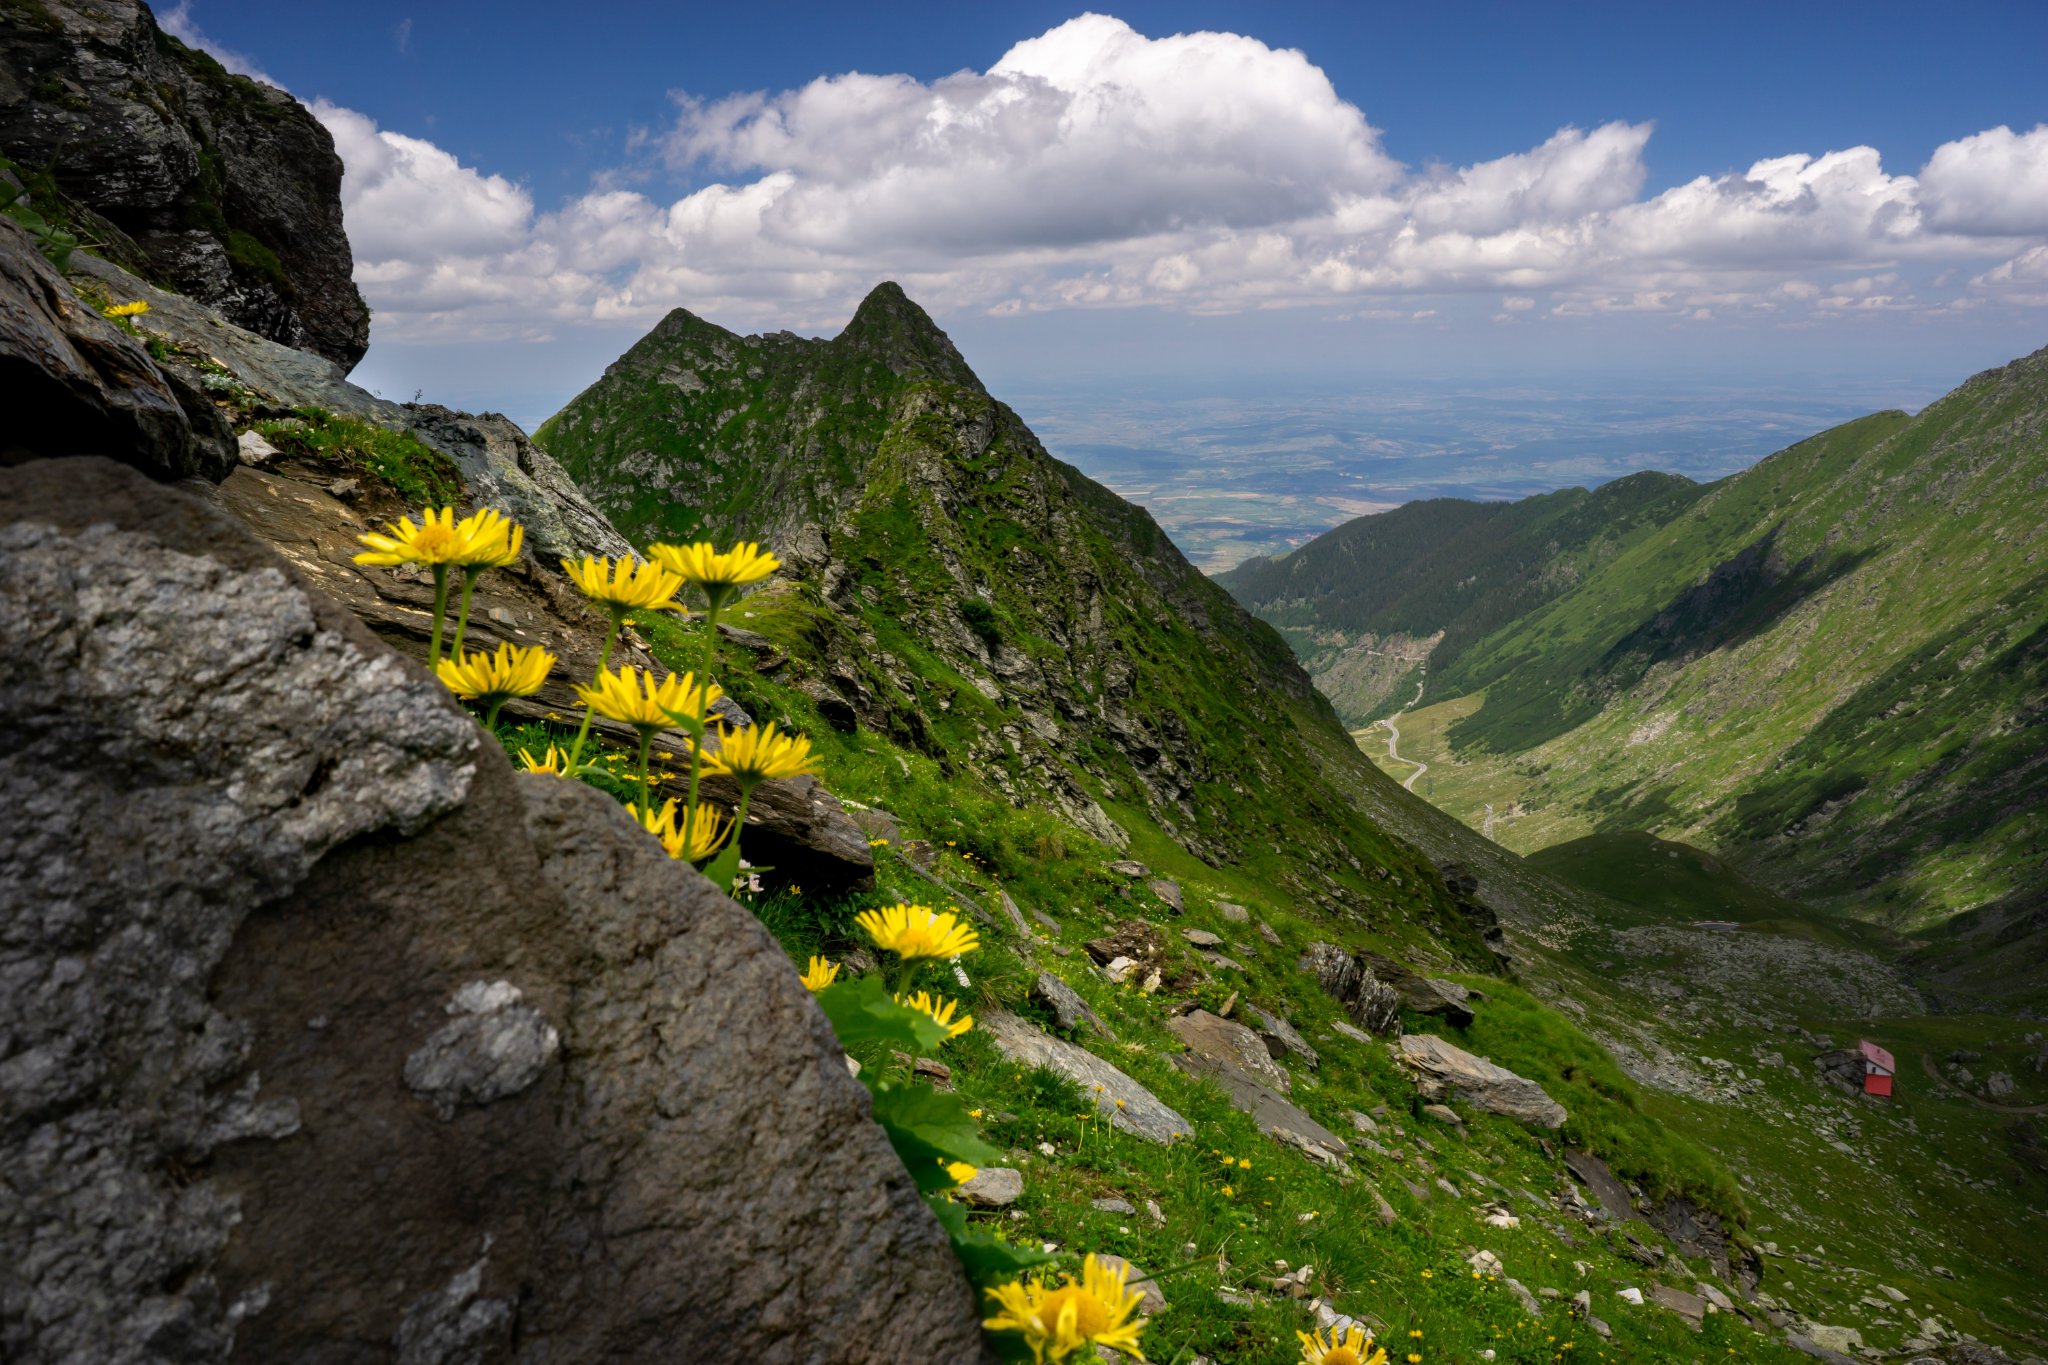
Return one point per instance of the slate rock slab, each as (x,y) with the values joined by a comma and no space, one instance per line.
(1608,1192)
(1276,1116)
(1442,1069)
(1226,1041)
(1141,1113)
(1069,1010)
(252,858)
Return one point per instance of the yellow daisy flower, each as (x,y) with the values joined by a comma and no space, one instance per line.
(941,1012)
(493,540)
(125,310)
(701,565)
(820,974)
(758,754)
(630,695)
(625,585)
(435,541)
(556,763)
(912,931)
(509,671)
(1339,1348)
(695,839)
(1059,1323)
(961,1172)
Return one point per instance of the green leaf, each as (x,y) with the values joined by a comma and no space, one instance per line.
(725,867)
(929,1131)
(862,1012)
(987,1259)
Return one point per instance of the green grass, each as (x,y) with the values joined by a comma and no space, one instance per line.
(418,473)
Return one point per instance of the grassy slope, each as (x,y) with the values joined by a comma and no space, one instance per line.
(1444,565)
(1830,669)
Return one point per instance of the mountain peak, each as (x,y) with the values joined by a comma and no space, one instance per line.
(890,326)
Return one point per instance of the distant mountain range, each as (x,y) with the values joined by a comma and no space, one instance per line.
(1832,668)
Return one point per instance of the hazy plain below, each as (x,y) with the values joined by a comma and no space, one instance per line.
(1230,475)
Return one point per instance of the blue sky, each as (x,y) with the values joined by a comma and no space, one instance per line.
(1813,193)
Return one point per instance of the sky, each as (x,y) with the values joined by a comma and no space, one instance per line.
(1155,197)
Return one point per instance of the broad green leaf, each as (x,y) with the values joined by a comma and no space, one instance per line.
(988,1259)
(862,1012)
(929,1131)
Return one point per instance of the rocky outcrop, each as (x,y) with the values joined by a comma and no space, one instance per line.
(78,385)
(1443,999)
(1442,1070)
(1128,1106)
(218,186)
(321,1026)
(506,470)
(1348,980)
(1221,1040)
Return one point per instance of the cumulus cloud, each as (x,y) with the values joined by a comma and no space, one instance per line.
(1093,166)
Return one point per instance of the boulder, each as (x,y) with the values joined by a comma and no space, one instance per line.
(225,188)
(324,1026)
(1691,1307)
(1202,938)
(1611,1195)
(1168,891)
(1442,1070)
(1128,1106)
(1442,999)
(1069,1010)
(78,385)
(506,470)
(1235,913)
(1282,1039)
(1222,1040)
(1349,981)
(993,1187)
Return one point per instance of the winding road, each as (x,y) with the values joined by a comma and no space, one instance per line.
(1394,735)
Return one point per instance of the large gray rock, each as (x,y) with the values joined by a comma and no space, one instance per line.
(226,188)
(1282,1039)
(1217,1038)
(252,860)
(1128,1106)
(78,385)
(1347,979)
(1276,1116)
(1444,999)
(505,469)
(1442,1070)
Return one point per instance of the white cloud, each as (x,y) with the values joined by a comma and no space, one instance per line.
(1994,184)
(1095,167)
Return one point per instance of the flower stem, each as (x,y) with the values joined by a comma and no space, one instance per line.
(469,578)
(704,712)
(440,614)
(604,656)
(491,717)
(646,794)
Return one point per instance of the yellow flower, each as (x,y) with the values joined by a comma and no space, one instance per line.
(1244,1163)
(941,1012)
(125,310)
(696,839)
(510,671)
(1060,1323)
(625,585)
(556,763)
(1229,1193)
(436,540)
(820,974)
(493,540)
(911,931)
(631,695)
(758,754)
(1339,1348)
(961,1172)
(703,566)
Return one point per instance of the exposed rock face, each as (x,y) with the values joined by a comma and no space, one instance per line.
(222,187)
(1276,1116)
(1347,979)
(1127,1105)
(1417,992)
(1442,1070)
(321,1026)
(78,385)
(507,470)
(1222,1040)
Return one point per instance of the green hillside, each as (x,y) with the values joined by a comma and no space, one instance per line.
(1444,566)
(1829,669)
(966,594)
